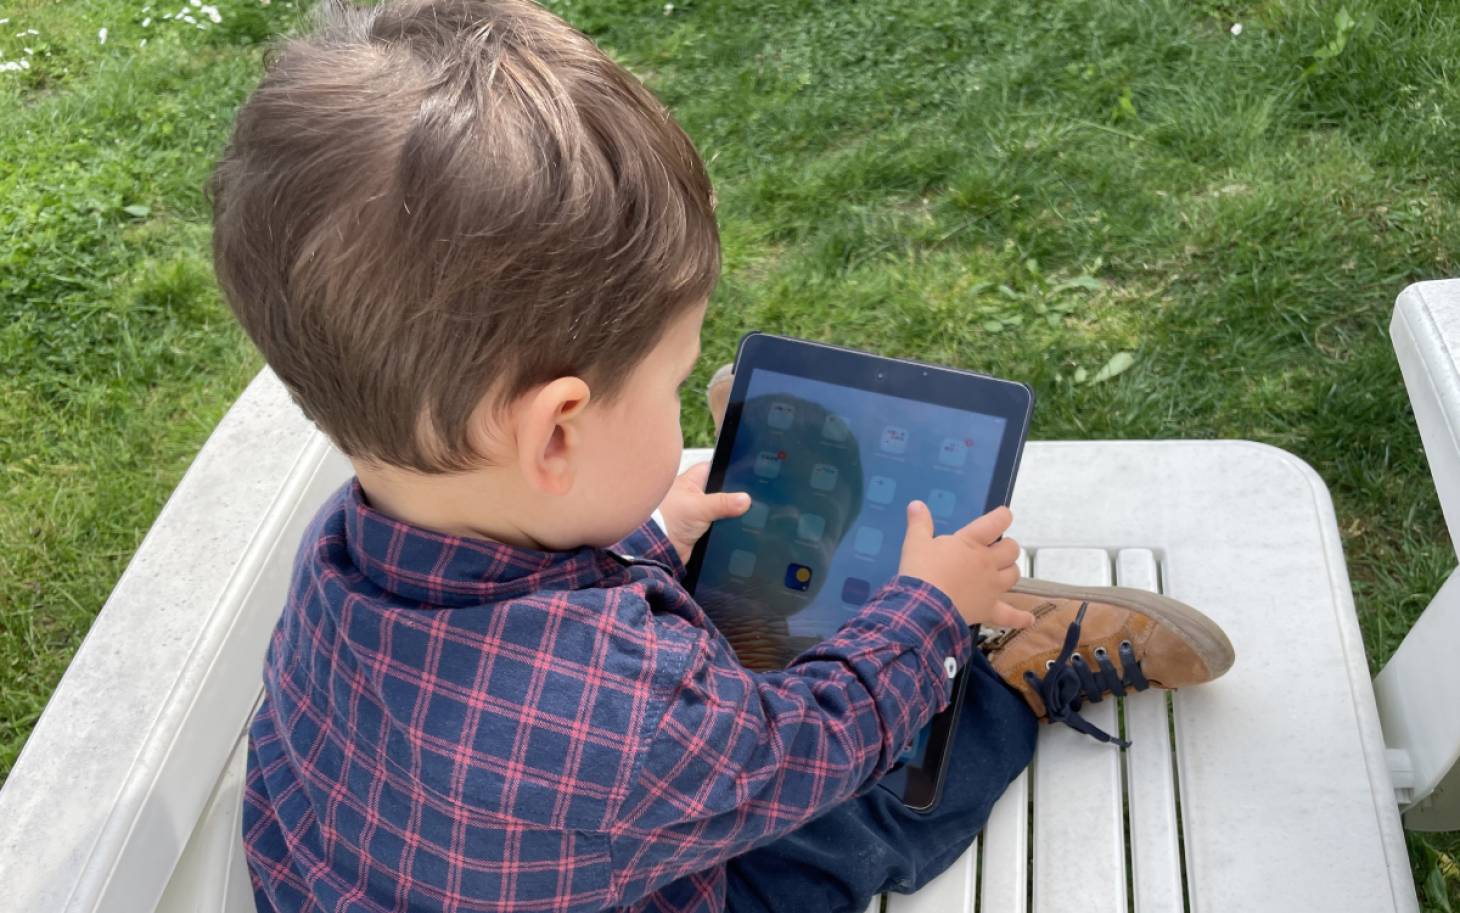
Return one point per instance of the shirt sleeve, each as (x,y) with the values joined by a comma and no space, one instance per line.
(739,758)
(649,541)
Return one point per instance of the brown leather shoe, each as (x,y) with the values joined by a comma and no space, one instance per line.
(718,393)
(1088,641)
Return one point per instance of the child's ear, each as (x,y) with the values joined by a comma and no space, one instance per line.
(549,434)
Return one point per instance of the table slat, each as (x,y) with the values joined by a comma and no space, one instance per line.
(1006,851)
(1155,852)
(1079,832)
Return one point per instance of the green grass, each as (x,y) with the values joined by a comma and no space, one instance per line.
(1027,188)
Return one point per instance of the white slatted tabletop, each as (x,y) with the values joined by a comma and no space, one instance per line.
(1275,794)
(1076,779)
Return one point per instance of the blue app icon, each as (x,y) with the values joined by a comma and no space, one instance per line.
(798,577)
(855,590)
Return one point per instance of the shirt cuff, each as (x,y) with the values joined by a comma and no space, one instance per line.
(907,644)
(649,541)
(924,617)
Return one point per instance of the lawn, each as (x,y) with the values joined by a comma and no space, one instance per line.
(1179,219)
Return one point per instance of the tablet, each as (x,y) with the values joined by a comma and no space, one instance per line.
(832,443)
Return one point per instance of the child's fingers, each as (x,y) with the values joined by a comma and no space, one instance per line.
(1004,552)
(1006,616)
(697,475)
(987,528)
(919,523)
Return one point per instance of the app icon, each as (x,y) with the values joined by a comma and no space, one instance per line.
(940,502)
(823,477)
(954,451)
(868,541)
(742,563)
(810,527)
(894,439)
(755,517)
(768,463)
(798,576)
(780,416)
(855,590)
(835,429)
(880,489)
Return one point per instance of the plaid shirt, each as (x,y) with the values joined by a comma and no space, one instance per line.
(451,723)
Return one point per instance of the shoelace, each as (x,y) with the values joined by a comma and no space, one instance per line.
(1068,681)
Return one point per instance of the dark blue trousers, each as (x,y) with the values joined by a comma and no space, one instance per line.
(838,862)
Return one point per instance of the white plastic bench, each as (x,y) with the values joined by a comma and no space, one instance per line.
(1278,791)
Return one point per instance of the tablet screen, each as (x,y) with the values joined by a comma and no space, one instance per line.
(830,470)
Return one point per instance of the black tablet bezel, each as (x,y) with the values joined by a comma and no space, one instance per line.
(950,387)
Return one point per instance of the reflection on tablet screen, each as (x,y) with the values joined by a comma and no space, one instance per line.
(830,471)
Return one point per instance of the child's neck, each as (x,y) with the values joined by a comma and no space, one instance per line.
(475,505)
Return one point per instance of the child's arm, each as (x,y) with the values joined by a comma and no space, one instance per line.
(736,758)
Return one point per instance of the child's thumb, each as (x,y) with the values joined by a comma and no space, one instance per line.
(728,504)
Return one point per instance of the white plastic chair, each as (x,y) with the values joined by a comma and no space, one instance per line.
(1274,788)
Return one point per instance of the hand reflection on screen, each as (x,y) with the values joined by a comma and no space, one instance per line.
(804,464)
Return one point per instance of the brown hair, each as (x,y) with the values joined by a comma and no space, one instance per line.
(425,203)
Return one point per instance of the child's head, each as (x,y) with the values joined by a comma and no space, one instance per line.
(477,252)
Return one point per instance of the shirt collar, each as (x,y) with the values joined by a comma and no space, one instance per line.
(441,569)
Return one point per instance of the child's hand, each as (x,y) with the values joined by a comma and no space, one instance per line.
(967,564)
(688,511)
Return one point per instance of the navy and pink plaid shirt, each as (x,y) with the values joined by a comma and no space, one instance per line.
(451,723)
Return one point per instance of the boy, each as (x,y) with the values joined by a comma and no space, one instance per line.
(478,253)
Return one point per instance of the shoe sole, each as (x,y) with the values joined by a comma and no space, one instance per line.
(1200,633)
